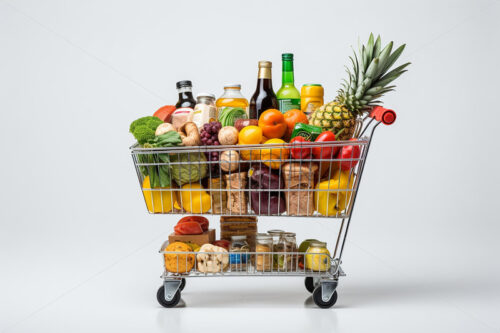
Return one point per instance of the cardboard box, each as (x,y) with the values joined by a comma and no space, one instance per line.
(206,237)
(239,225)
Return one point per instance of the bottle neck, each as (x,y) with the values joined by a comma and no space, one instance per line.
(287,76)
(264,73)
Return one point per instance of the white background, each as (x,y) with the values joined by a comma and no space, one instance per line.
(78,250)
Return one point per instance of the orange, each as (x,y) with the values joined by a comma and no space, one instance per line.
(250,135)
(272,123)
(293,117)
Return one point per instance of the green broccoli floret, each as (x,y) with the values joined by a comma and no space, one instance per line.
(143,134)
(149,121)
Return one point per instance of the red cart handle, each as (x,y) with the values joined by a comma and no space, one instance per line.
(386,116)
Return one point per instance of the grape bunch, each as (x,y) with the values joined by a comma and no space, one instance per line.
(209,137)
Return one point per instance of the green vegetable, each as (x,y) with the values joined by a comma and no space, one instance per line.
(159,173)
(141,128)
(229,115)
(192,168)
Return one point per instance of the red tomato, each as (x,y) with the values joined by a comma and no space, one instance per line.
(325,152)
(300,153)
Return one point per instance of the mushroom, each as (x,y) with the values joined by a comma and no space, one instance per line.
(228,135)
(212,259)
(229,160)
(189,134)
(164,128)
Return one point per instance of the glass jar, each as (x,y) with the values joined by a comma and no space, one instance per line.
(287,258)
(263,243)
(276,235)
(317,257)
(238,253)
(232,97)
(205,110)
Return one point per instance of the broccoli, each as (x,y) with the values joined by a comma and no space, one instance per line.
(143,134)
(142,128)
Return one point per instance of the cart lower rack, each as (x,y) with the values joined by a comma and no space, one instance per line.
(257,180)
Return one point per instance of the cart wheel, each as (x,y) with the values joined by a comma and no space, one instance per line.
(160,296)
(309,283)
(318,300)
(183,284)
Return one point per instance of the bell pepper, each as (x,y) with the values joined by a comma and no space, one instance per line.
(163,200)
(195,199)
(188,228)
(222,243)
(202,221)
(300,153)
(333,197)
(325,152)
(274,157)
(349,152)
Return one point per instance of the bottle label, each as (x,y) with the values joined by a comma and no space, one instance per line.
(288,104)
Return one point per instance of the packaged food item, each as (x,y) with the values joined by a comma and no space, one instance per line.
(311,98)
(236,198)
(238,253)
(212,259)
(264,245)
(297,178)
(276,235)
(308,132)
(204,110)
(181,116)
(287,259)
(203,238)
(178,263)
(266,200)
(232,97)
(239,225)
(317,257)
(186,99)
(219,195)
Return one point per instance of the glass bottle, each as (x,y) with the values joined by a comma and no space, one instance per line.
(286,252)
(232,97)
(185,90)
(276,235)
(263,98)
(238,253)
(263,243)
(204,111)
(288,96)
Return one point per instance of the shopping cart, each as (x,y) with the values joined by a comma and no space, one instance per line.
(267,182)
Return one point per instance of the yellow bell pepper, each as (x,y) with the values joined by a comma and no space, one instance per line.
(279,155)
(335,199)
(195,199)
(162,201)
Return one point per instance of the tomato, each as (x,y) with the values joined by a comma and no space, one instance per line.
(222,243)
(203,221)
(165,113)
(300,153)
(188,228)
(325,152)
(293,117)
(272,123)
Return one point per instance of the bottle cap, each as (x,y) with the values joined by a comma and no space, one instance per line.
(265,64)
(312,85)
(184,83)
(232,86)
(287,56)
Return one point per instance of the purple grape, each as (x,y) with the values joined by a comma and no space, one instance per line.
(209,142)
(216,143)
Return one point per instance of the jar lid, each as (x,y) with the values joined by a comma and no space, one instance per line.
(317,244)
(263,236)
(311,85)
(275,231)
(232,86)
(289,234)
(205,95)
(239,237)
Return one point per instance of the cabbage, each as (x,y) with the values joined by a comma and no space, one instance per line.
(191,169)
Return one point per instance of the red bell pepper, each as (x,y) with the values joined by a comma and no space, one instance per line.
(300,153)
(325,152)
(222,243)
(349,152)
(188,228)
(203,221)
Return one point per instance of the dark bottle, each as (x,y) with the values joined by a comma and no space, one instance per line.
(186,99)
(263,98)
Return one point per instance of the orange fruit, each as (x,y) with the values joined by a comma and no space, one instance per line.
(250,135)
(272,123)
(293,117)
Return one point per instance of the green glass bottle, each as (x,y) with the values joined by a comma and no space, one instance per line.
(288,96)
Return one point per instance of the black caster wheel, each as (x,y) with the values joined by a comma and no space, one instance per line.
(318,300)
(309,283)
(183,284)
(160,296)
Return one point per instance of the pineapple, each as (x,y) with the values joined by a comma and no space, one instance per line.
(368,80)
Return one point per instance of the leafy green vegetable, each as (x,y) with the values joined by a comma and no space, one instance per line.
(229,115)
(143,129)
(192,168)
(159,173)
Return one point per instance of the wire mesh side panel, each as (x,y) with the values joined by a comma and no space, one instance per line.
(299,179)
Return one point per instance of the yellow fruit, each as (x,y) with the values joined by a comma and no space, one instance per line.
(195,199)
(278,155)
(160,200)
